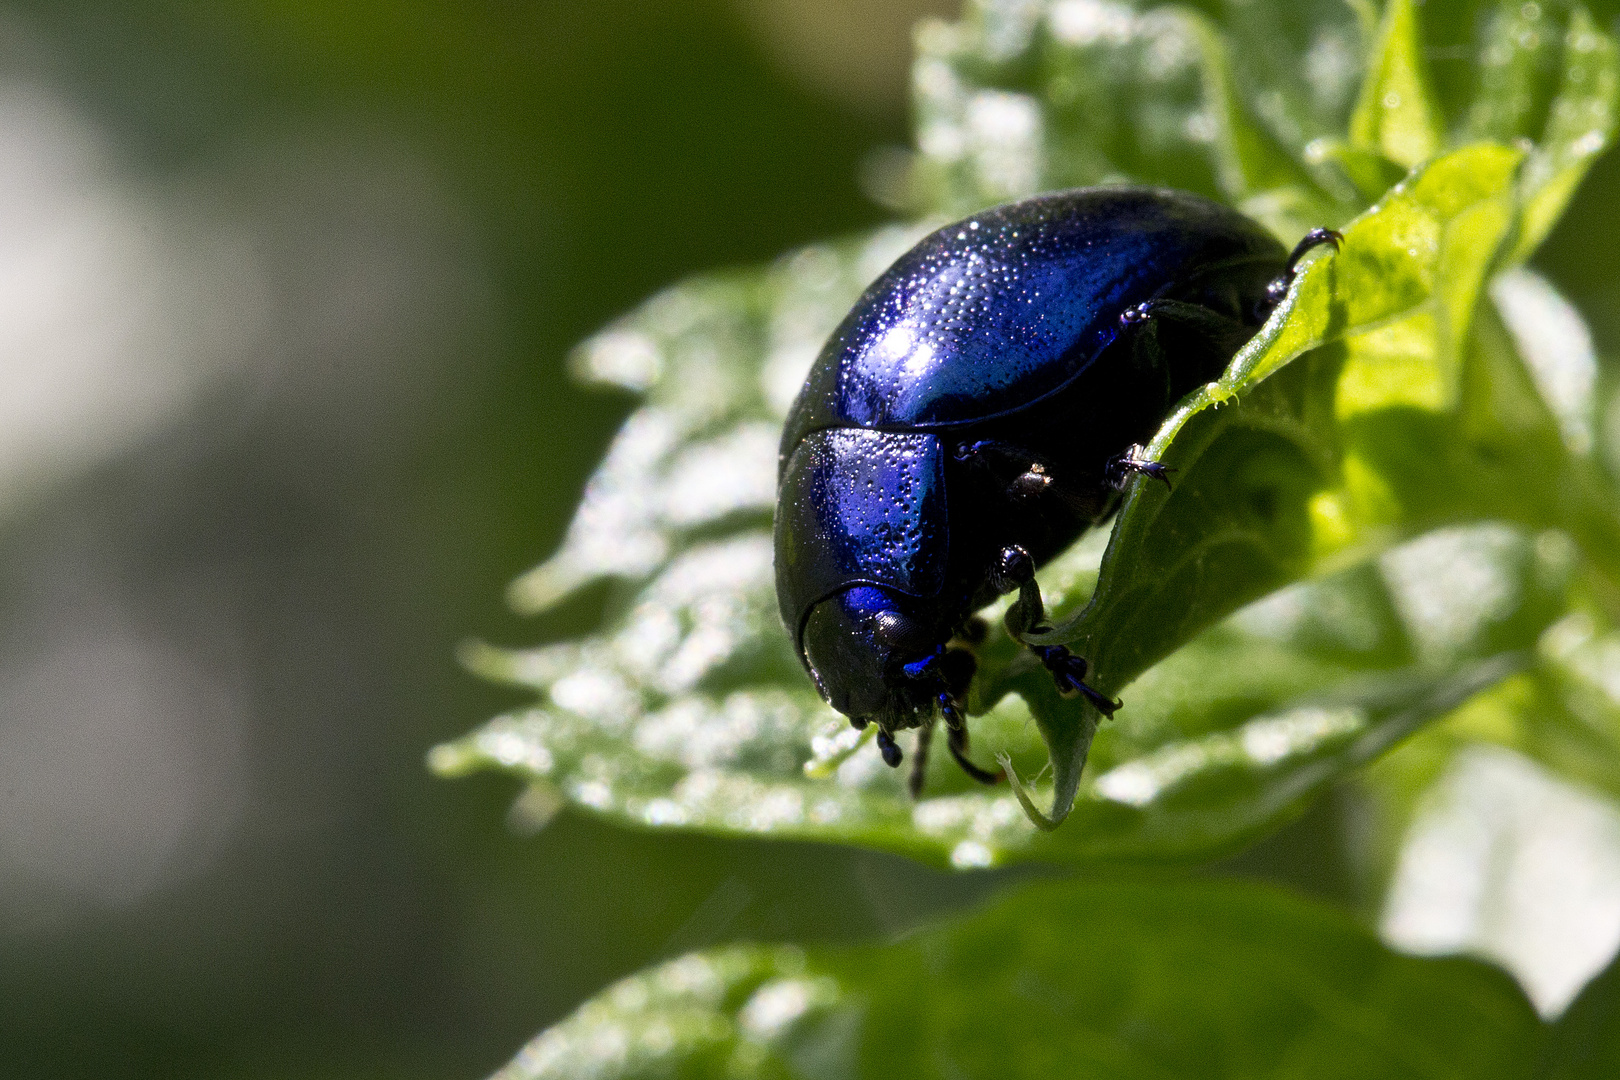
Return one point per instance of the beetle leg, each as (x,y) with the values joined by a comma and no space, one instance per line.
(973,630)
(1021,476)
(1278,288)
(1024,616)
(949,671)
(1213,323)
(1011,569)
(956,669)
(1030,476)
(979,450)
(1204,330)
(1030,483)
(1124,465)
(919,760)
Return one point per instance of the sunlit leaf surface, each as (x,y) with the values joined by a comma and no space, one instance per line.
(1097,981)
(1507,862)
(1397,476)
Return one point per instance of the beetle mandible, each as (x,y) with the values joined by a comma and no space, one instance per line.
(981,405)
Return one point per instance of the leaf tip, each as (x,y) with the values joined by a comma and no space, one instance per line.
(1036,816)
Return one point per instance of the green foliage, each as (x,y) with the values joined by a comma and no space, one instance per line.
(1585,1043)
(1383,400)
(1386,512)
(1099,981)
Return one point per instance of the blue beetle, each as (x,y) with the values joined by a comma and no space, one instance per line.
(980,406)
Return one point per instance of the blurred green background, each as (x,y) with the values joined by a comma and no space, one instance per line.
(287,290)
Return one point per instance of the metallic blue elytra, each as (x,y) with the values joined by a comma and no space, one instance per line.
(882,493)
(976,411)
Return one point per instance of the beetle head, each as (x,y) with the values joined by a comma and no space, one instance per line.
(856,645)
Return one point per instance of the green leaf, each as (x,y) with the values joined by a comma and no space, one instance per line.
(1518,70)
(1580,124)
(1410,392)
(1396,114)
(1561,711)
(1261,493)
(1118,980)
(1083,94)
(1585,1043)
(1218,743)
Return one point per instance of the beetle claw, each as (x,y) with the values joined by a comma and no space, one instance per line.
(1141,313)
(1069,673)
(1129,462)
(1278,288)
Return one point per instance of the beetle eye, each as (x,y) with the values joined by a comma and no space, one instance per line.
(901,631)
